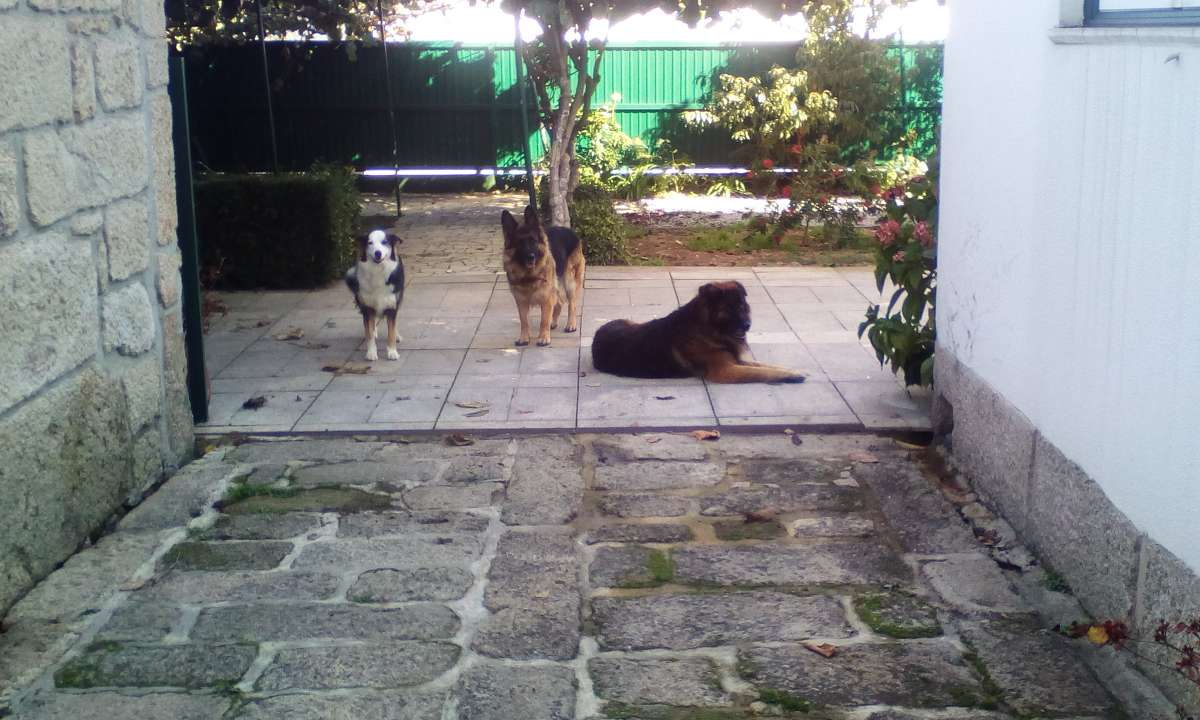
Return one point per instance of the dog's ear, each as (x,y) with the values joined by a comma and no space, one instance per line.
(531,217)
(361,242)
(509,224)
(710,291)
(740,288)
(393,241)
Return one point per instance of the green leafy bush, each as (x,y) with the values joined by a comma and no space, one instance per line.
(595,220)
(903,335)
(284,231)
(613,160)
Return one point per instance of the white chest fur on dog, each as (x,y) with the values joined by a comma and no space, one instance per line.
(373,288)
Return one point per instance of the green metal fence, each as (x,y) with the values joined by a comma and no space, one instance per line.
(457,106)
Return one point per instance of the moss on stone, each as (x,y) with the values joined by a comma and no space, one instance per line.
(322,499)
(897,615)
(784,699)
(661,566)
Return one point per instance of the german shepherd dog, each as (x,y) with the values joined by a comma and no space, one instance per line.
(544,268)
(377,281)
(705,338)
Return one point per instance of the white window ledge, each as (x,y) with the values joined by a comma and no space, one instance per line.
(1125,35)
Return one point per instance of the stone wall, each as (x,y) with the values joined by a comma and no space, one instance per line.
(93,401)
(1115,569)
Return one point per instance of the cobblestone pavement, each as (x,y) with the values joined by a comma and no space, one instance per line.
(551,577)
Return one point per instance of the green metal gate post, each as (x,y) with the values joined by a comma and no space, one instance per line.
(520,60)
(193,321)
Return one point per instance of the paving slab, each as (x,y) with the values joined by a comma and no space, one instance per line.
(491,691)
(684,621)
(637,533)
(679,682)
(498,602)
(108,705)
(457,329)
(358,705)
(856,563)
(366,666)
(1037,671)
(916,674)
(264,623)
(194,666)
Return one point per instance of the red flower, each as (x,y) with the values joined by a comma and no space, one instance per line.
(824,199)
(749,175)
(875,190)
(768,163)
(796,149)
(887,231)
(923,234)
(786,191)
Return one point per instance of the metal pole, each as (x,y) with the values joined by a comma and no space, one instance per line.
(193,314)
(387,80)
(262,46)
(518,46)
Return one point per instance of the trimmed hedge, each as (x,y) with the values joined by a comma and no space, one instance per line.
(594,219)
(285,231)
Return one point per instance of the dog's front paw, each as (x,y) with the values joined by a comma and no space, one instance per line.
(372,353)
(393,354)
(544,342)
(570,328)
(521,342)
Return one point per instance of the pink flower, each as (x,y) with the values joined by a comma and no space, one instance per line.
(887,231)
(923,234)
(768,163)
(898,257)
(796,149)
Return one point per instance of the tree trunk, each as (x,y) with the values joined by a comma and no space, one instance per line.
(559,193)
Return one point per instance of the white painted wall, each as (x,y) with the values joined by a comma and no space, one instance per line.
(1069,263)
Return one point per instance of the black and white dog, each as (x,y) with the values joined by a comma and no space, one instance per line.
(377,281)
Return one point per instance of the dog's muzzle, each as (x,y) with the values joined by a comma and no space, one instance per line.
(378,256)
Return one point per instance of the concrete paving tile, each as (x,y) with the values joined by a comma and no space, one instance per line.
(644,402)
(884,400)
(343,406)
(847,361)
(807,398)
(281,408)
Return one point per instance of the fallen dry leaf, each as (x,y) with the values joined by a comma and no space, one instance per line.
(311,345)
(478,413)
(789,431)
(653,440)
(822,649)
(664,397)
(133,585)
(472,404)
(347,369)
(706,434)
(763,515)
(255,403)
(294,333)
(459,440)
(863,456)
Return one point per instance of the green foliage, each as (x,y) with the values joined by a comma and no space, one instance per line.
(766,114)
(784,700)
(903,334)
(661,566)
(194,22)
(284,231)
(611,159)
(595,220)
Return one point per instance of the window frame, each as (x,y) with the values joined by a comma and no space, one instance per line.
(1093,16)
